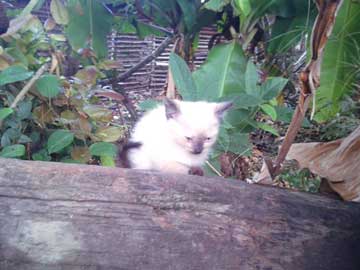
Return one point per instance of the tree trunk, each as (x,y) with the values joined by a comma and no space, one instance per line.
(63,216)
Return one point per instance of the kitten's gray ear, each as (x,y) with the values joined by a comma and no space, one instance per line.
(171,108)
(221,108)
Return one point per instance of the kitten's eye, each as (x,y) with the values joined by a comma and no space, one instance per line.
(208,138)
(188,138)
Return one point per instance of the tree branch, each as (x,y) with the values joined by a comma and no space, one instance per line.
(147,59)
(310,76)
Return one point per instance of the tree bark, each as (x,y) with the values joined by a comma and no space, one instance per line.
(64,216)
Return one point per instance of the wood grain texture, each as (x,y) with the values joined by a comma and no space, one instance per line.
(71,217)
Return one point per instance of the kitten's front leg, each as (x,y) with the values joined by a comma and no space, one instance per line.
(196,171)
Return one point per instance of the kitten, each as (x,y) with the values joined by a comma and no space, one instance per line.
(175,137)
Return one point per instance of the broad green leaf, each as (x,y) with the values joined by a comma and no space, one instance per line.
(269,110)
(245,101)
(24,139)
(98,113)
(272,87)
(11,135)
(340,65)
(182,78)
(59,140)
(251,77)
(240,144)
(14,74)
(5,112)
(48,86)
(89,24)
(268,128)
(189,14)
(59,12)
(107,161)
(24,109)
(294,19)
(244,6)
(221,74)
(216,5)
(123,25)
(13,151)
(42,155)
(103,149)
(110,134)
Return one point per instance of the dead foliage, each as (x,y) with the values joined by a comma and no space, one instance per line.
(338,161)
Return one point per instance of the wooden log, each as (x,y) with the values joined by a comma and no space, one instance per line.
(70,217)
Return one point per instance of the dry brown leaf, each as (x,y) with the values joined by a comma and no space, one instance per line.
(338,161)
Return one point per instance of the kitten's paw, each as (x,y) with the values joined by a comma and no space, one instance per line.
(196,171)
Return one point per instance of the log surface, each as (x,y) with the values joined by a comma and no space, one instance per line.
(70,217)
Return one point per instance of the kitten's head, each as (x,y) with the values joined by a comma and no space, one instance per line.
(195,125)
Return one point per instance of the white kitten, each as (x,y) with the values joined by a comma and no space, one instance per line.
(175,137)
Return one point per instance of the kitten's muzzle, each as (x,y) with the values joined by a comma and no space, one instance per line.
(197,148)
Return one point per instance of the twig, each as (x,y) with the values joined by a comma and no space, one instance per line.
(213,169)
(147,59)
(29,85)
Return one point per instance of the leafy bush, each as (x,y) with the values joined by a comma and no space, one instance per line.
(228,75)
(46,116)
(302,180)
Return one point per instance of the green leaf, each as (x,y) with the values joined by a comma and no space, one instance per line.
(13,151)
(240,144)
(103,149)
(90,23)
(189,14)
(340,65)
(123,25)
(272,87)
(48,86)
(269,110)
(59,140)
(268,128)
(216,5)
(245,101)
(251,77)
(284,114)
(14,74)
(41,155)
(24,109)
(182,78)
(5,112)
(107,161)
(110,134)
(294,19)
(244,6)
(59,12)
(98,113)
(220,75)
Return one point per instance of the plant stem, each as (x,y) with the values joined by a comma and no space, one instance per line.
(29,85)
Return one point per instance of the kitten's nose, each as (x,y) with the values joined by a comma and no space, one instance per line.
(197,149)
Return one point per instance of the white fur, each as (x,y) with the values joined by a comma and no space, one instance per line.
(162,139)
